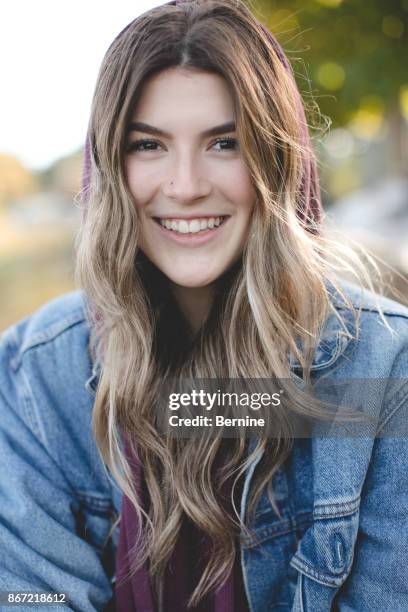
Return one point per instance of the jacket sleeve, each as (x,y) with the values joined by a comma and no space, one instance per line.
(40,549)
(379,577)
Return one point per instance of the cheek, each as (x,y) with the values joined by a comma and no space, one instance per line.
(140,184)
(241,191)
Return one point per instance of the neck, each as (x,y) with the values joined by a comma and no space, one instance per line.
(195,303)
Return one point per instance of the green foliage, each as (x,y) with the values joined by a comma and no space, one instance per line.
(354,52)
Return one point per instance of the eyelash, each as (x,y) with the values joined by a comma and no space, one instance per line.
(134,145)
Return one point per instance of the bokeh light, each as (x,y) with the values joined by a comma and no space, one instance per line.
(367,121)
(404,101)
(393,26)
(339,144)
(331,75)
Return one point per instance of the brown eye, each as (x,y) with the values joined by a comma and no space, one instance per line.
(228,144)
(143,145)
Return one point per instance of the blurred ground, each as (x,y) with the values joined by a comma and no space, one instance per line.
(36,253)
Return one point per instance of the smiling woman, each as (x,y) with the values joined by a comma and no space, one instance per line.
(200,191)
(201,259)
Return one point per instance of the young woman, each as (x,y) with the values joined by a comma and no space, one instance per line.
(202,256)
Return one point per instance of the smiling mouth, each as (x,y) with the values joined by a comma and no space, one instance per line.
(191,226)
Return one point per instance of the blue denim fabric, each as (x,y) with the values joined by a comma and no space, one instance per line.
(340,542)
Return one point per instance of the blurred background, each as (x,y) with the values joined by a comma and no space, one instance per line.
(350,61)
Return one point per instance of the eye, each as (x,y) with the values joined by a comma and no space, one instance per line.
(228,144)
(143,145)
(225,144)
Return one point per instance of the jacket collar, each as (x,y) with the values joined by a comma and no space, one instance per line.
(92,382)
(338,331)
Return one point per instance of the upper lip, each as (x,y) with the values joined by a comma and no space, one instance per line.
(190,216)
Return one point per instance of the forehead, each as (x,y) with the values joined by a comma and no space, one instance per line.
(184,93)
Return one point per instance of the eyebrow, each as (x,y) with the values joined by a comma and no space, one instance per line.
(223,128)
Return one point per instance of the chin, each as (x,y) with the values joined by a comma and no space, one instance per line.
(193,281)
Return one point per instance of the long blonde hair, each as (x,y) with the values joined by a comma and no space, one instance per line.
(272,303)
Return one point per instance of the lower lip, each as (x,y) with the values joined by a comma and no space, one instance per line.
(192,239)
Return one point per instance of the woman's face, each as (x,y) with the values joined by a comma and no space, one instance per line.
(185,170)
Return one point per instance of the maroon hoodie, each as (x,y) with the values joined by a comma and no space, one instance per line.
(186,564)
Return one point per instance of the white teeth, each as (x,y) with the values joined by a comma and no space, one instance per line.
(193,226)
(183,227)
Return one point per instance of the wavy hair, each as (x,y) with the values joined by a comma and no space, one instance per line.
(271,304)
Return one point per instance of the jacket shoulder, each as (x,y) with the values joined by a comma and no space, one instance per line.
(46,323)
(365,300)
(363,320)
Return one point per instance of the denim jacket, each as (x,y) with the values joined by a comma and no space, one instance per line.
(340,541)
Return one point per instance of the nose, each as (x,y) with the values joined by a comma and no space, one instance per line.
(186,180)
